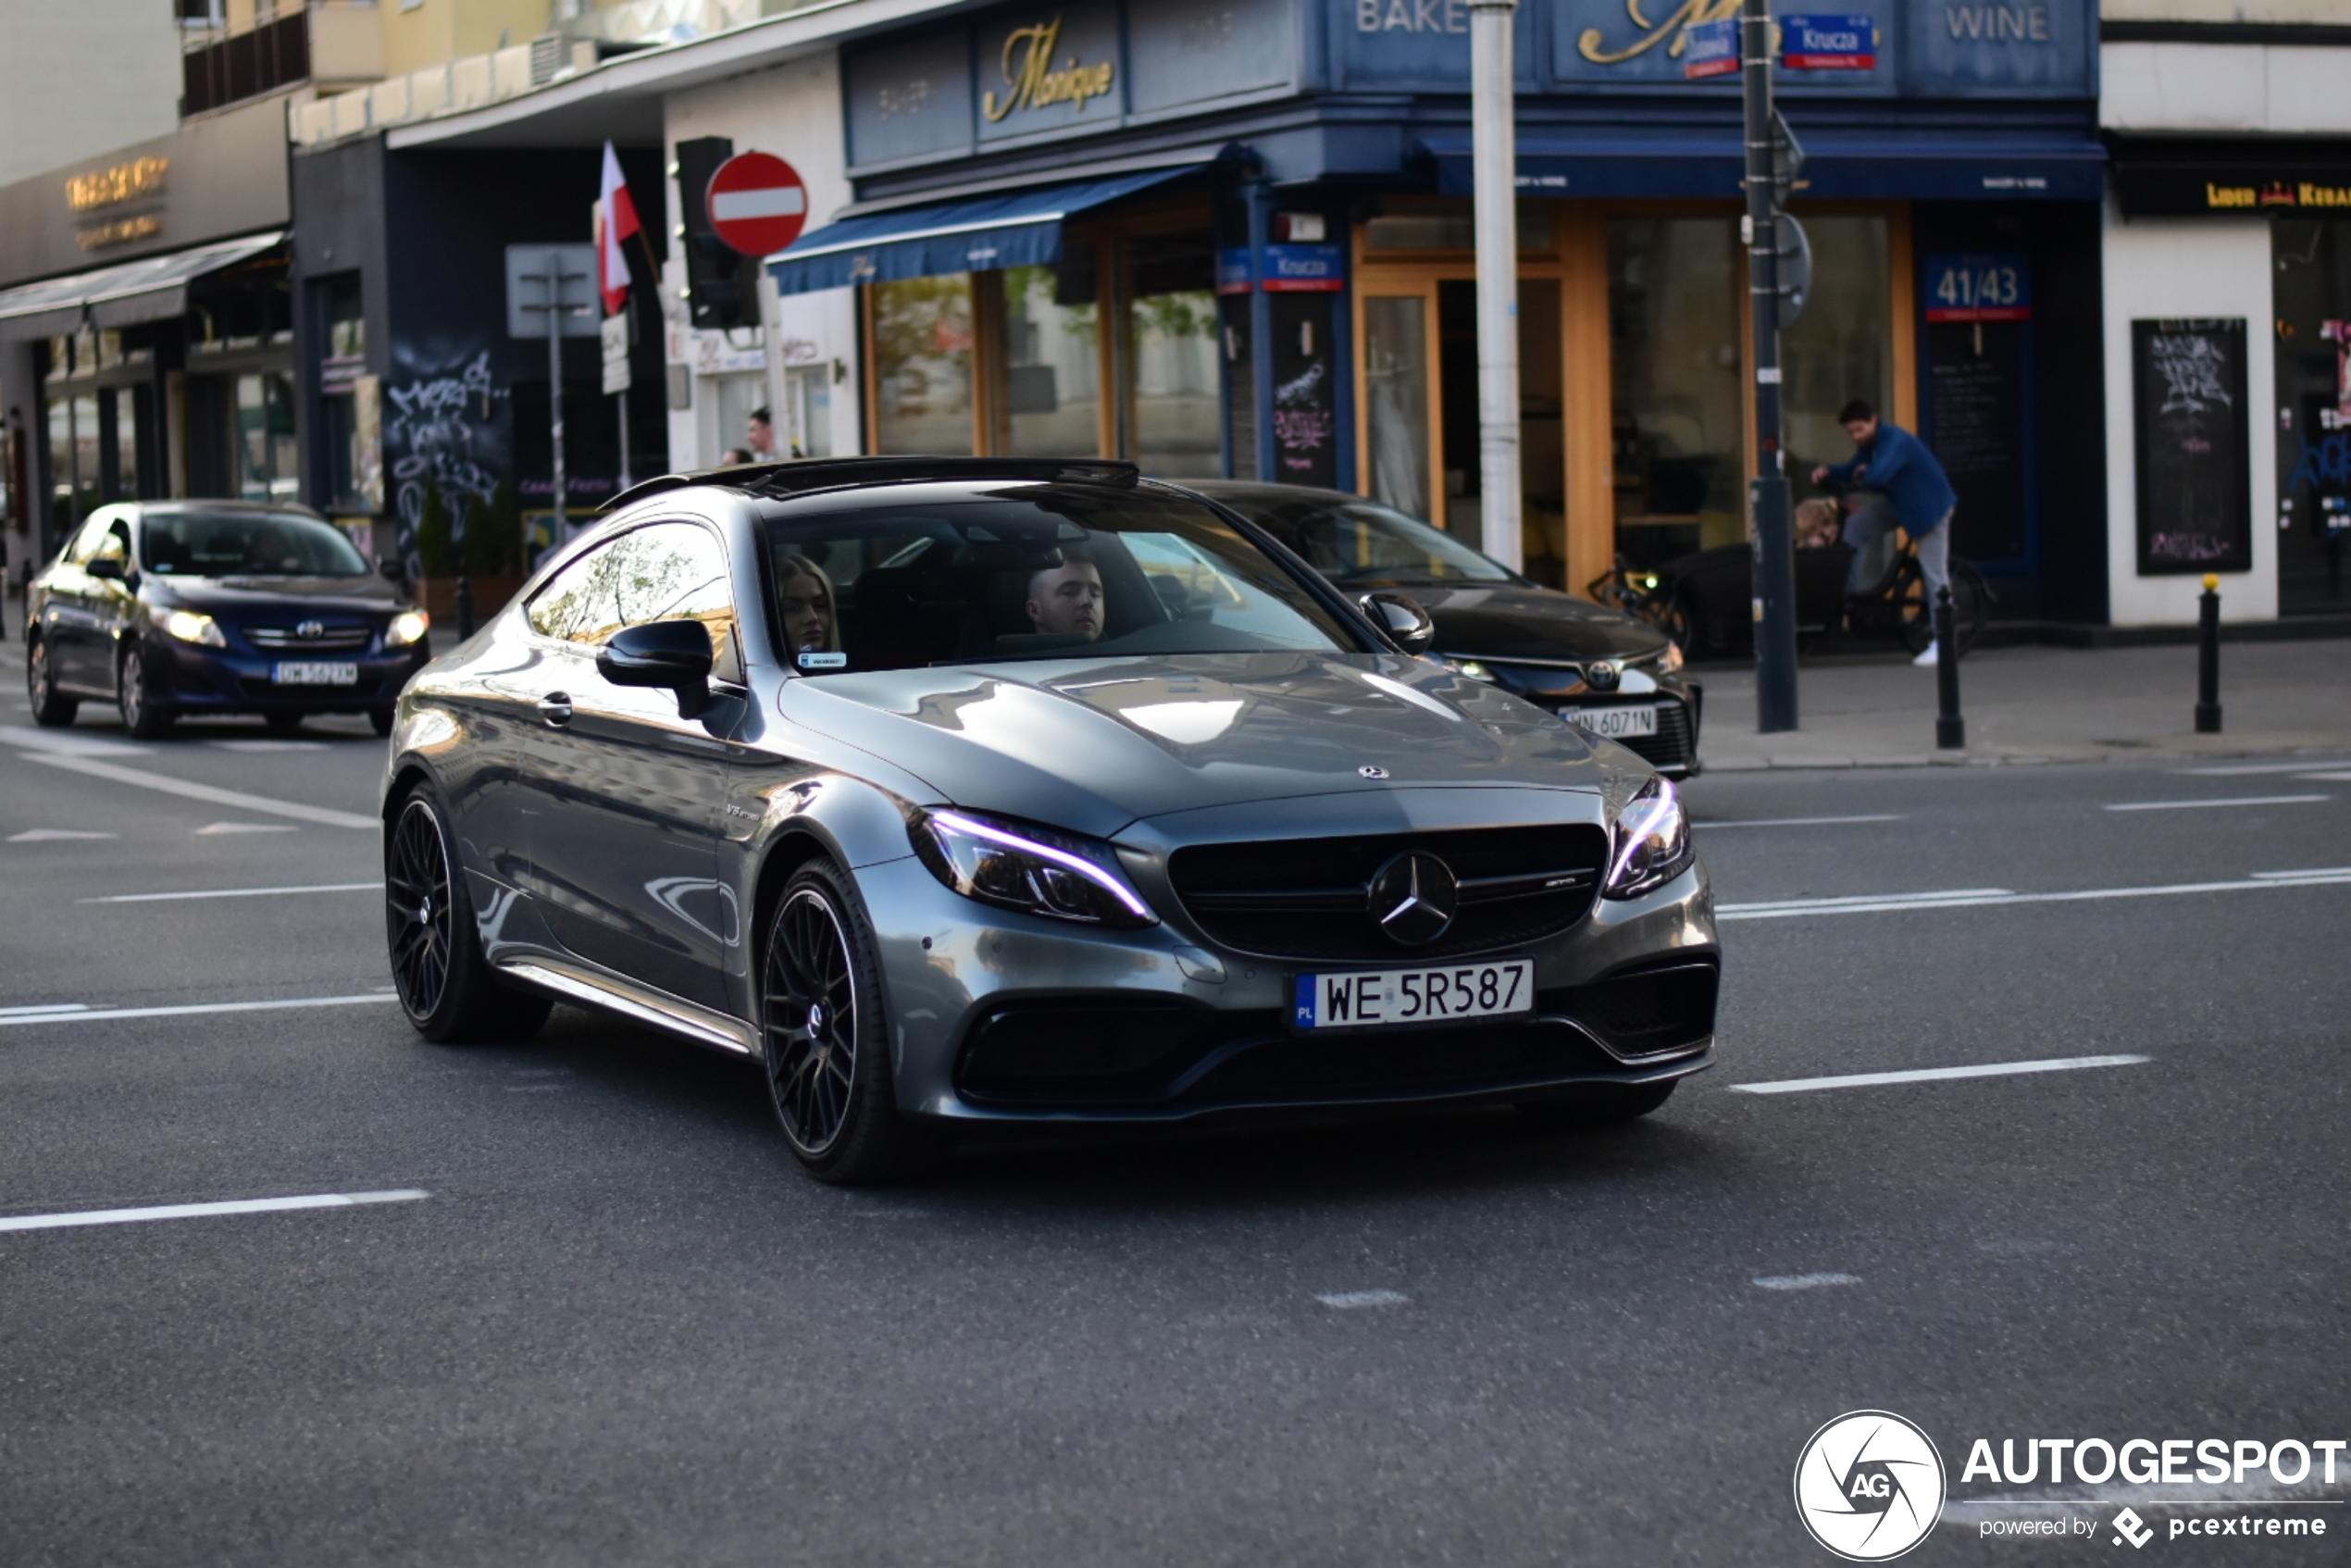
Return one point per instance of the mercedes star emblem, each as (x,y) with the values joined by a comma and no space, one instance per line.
(1414,897)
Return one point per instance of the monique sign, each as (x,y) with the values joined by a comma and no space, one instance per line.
(1593,45)
(1035,83)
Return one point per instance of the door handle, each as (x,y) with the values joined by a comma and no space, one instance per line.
(556,708)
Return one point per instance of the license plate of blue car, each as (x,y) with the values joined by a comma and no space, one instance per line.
(316,672)
(1445,993)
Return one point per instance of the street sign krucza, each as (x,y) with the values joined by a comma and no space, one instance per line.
(1828,42)
(757,203)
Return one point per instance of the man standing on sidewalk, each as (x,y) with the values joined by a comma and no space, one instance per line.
(1917,494)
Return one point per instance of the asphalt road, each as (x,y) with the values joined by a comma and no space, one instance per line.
(622,1329)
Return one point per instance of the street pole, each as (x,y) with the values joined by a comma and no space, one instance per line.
(1774,543)
(555,380)
(1493,117)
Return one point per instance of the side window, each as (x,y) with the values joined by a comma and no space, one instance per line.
(669,571)
(104,534)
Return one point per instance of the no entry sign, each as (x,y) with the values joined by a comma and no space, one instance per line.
(757,203)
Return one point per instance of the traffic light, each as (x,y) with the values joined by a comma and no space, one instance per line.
(722,284)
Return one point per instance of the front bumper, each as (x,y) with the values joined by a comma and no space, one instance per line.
(192,680)
(1000,1017)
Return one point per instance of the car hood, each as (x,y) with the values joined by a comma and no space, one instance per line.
(1499,621)
(232,593)
(1091,745)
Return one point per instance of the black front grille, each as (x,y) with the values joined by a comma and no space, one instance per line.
(332,639)
(1308,898)
(1645,1011)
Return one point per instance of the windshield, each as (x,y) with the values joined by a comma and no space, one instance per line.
(1364,544)
(248,544)
(913,576)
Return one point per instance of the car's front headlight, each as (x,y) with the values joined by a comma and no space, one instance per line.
(1670,660)
(408,627)
(1033,869)
(1652,842)
(1474,668)
(189,627)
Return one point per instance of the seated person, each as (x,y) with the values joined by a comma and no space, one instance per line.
(805,595)
(1068,599)
(1819,523)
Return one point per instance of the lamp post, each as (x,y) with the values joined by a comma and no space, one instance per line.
(1493,115)
(1774,543)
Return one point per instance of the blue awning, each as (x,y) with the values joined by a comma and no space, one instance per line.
(1017,229)
(1898,164)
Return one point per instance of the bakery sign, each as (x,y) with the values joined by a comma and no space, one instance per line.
(1032,80)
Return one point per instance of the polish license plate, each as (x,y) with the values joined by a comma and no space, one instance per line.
(315,673)
(1372,998)
(1615,723)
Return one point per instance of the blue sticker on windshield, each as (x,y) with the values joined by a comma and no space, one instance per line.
(811,659)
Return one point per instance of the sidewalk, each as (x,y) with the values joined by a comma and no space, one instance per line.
(2034,705)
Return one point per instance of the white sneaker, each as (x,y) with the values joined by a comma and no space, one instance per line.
(1926,660)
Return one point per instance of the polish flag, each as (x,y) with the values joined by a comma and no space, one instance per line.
(615,221)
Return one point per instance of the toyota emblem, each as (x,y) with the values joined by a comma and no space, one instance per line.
(310,631)
(1601,675)
(1414,897)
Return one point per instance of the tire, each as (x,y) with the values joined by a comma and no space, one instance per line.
(52,709)
(379,720)
(446,985)
(825,1027)
(282,723)
(1596,1105)
(142,715)
(1968,612)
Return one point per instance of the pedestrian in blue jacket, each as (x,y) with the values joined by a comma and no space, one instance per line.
(1916,493)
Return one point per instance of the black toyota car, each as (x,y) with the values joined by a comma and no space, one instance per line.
(1597,668)
(168,608)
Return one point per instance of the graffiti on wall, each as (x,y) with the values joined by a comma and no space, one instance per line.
(445,429)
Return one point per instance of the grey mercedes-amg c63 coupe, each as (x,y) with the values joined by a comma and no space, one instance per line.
(963,792)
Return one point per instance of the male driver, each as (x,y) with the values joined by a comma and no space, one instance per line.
(1917,494)
(1067,599)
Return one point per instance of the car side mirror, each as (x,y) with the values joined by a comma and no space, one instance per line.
(106,569)
(671,654)
(1401,617)
(393,569)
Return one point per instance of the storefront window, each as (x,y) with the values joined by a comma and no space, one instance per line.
(122,407)
(1676,408)
(730,400)
(1171,326)
(267,465)
(1841,348)
(1048,400)
(1396,376)
(923,365)
(87,489)
(808,412)
(61,497)
(2313,300)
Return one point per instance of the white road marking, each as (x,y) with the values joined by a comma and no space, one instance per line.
(2240,801)
(1805,1281)
(203,1211)
(2245,770)
(234,894)
(1937,1074)
(37,1009)
(2326,777)
(1982,897)
(1347,1300)
(236,798)
(269,745)
(1799,821)
(93,1015)
(52,835)
(68,742)
(219,828)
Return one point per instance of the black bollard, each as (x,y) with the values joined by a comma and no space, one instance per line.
(2208,658)
(464,608)
(1950,729)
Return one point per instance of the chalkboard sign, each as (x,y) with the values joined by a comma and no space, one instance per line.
(1306,375)
(1978,398)
(2195,469)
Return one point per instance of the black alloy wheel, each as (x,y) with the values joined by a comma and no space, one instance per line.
(141,715)
(827,1043)
(50,707)
(444,981)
